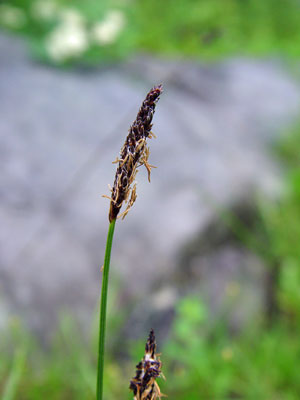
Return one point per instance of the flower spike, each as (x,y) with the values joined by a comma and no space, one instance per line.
(144,385)
(133,154)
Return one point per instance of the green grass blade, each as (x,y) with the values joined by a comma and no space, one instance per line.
(14,378)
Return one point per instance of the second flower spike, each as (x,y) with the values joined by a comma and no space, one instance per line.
(144,385)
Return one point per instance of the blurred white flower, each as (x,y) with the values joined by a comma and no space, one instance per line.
(11,16)
(106,31)
(67,41)
(44,9)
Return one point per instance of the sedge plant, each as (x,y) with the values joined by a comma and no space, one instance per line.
(133,154)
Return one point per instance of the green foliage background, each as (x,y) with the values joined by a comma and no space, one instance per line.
(198,28)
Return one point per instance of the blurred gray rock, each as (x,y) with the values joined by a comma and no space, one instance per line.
(60,130)
(221,266)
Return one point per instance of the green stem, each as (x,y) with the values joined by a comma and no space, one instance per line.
(103,303)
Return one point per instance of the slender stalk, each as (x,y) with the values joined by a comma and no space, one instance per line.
(103,304)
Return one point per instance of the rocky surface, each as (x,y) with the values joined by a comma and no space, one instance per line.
(60,130)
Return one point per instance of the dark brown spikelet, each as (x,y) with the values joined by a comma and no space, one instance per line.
(133,154)
(144,385)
